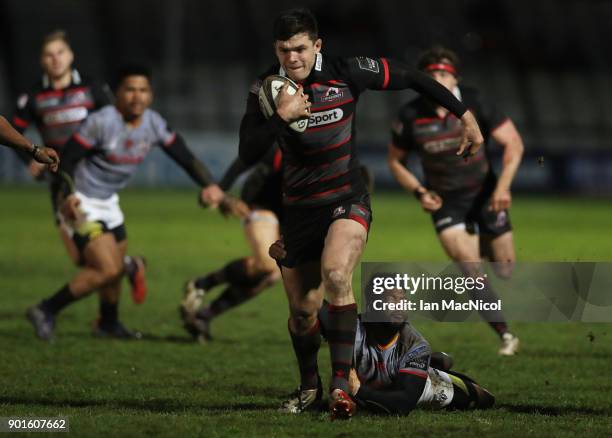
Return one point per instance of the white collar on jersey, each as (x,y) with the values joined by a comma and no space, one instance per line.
(76,79)
(318,65)
(319,62)
(457,93)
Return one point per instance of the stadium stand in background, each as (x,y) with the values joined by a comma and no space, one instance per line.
(546,64)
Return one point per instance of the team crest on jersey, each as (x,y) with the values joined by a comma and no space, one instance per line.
(339,211)
(332,93)
(368,64)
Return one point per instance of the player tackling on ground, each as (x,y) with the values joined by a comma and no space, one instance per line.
(326,205)
(246,277)
(97,162)
(394,370)
(468,203)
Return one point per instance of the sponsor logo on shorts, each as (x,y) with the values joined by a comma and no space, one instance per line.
(417,365)
(502,219)
(339,211)
(440,397)
(325,117)
(444,221)
(368,64)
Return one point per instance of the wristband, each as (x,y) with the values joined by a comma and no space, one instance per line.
(417,192)
(34,150)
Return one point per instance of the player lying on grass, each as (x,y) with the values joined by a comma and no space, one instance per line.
(97,162)
(326,207)
(467,202)
(14,140)
(394,371)
(56,106)
(246,277)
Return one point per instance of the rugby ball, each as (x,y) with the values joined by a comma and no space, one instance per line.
(268,97)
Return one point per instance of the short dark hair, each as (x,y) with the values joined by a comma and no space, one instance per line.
(438,55)
(294,21)
(56,35)
(132,69)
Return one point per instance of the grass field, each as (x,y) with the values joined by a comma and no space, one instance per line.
(559,385)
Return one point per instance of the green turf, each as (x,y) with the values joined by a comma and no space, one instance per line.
(560,384)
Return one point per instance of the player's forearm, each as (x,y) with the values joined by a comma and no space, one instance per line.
(513,154)
(10,137)
(72,153)
(232,173)
(402,77)
(403,176)
(182,156)
(392,401)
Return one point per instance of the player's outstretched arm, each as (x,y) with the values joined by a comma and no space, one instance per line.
(237,168)
(177,150)
(13,139)
(401,77)
(389,74)
(393,401)
(508,136)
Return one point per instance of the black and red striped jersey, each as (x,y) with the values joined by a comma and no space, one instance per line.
(436,139)
(320,164)
(58,113)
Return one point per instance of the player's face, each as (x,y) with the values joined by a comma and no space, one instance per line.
(134,96)
(297,55)
(395,317)
(445,78)
(56,59)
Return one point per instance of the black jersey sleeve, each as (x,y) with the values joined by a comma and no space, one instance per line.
(73,151)
(388,74)
(401,399)
(178,151)
(232,173)
(401,129)
(488,114)
(257,134)
(22,118)
(23,115)
(102,94)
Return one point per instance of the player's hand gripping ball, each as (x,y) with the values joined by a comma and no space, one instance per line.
(269,93)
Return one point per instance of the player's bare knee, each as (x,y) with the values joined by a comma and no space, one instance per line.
(111,272)
(265,267)
(336,281)
(274,276)
(504,270)
(302,320)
